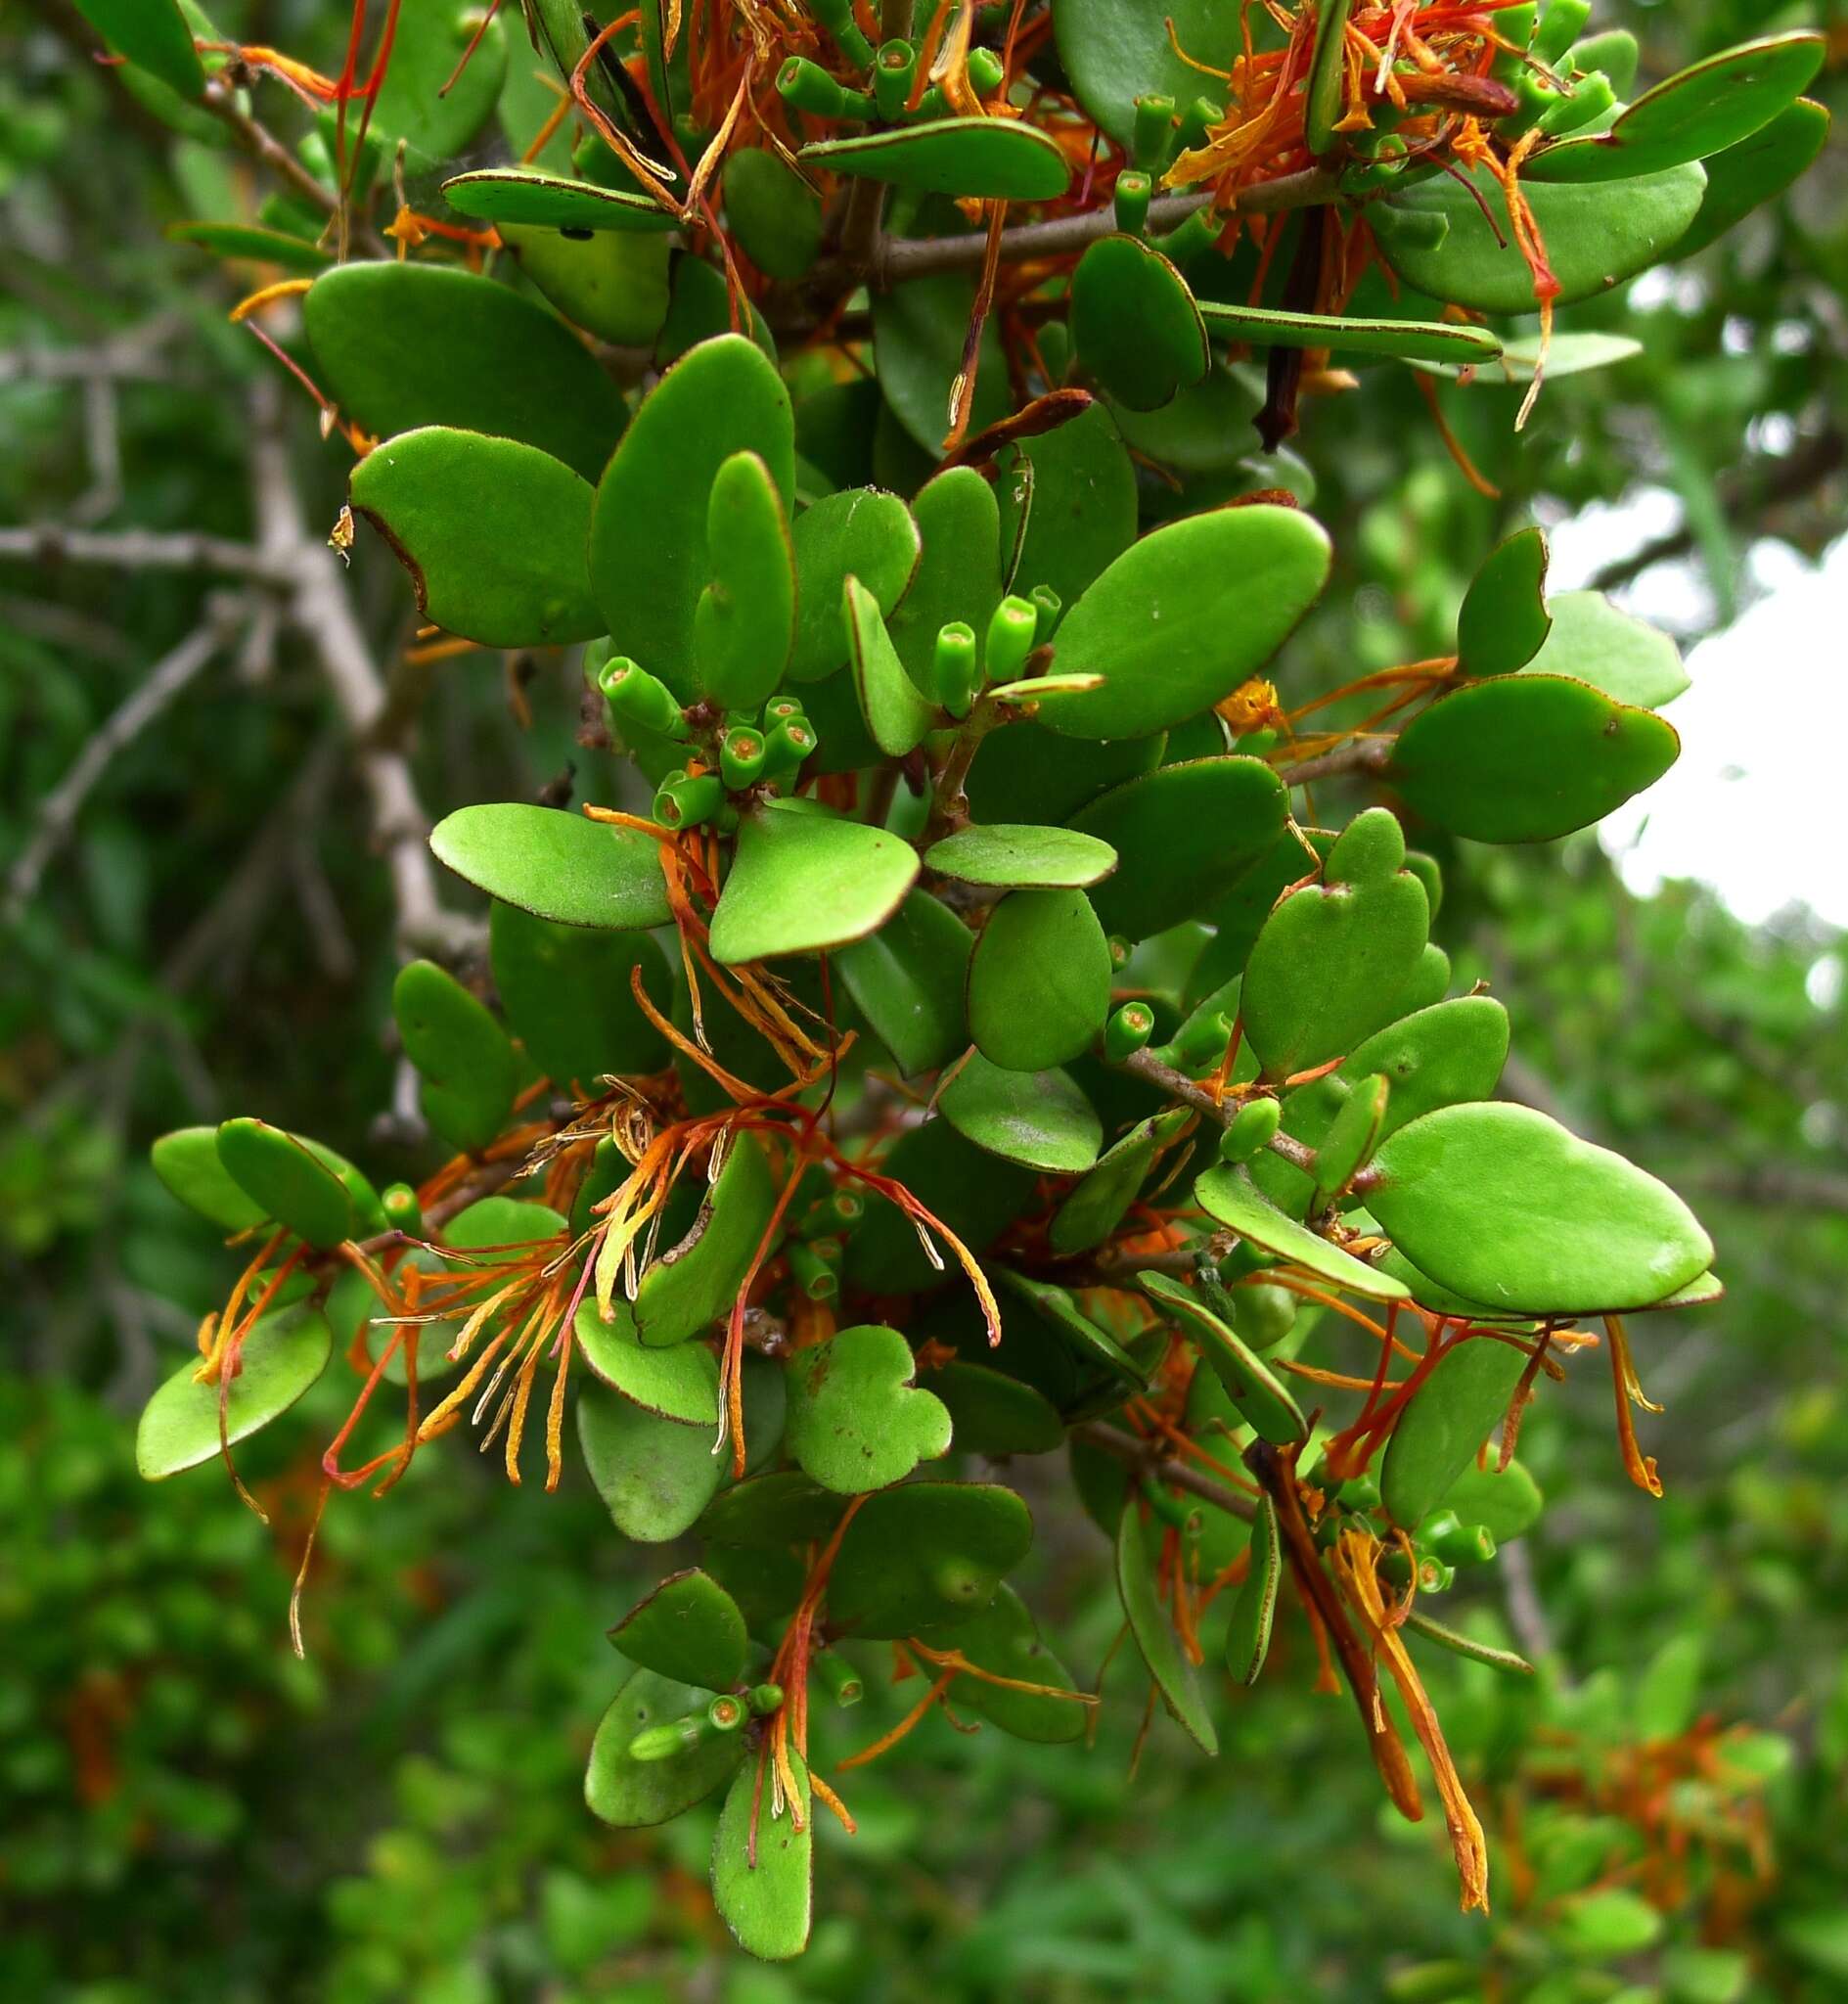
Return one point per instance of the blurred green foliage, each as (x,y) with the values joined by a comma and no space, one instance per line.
(188,1812)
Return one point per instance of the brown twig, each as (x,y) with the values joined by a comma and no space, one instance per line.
(1178,1475)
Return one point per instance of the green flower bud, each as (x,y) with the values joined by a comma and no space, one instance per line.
(402,1210)
(1128,1032)
(1249,1130)
(741,758)
(839,1678)
(813,1272)
(955,674)
(893,70)
(1133,190)
(1011,634)
(686,802)
(1153,130)
(636,697)
(805,86)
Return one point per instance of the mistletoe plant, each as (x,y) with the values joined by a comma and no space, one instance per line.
(953,1036)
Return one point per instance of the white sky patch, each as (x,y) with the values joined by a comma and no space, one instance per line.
(1754,806)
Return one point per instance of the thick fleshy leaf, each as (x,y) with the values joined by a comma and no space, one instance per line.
(782,1507)
(1576,352)
(1756,170)
(1350,1138)
(908,979)
(1699,111)
(1039,980)
(1408,341)
(612,285)
(999,159)
(1040,1119)
(857,1418)
(247,241)
(401,346)
(974,1194)
(692,1285)
(1230,1197)
(1075,1328)
(565,991)
(282,1356)
(1260,1398)
(1594,641)
(995,1415)
(152,33)
(1508,1207)
(700,310)
(491,531)
(859,533)
(429,99)
(1248,1639)
(1174,1673)
(959,576)
(468,1066)
(634,1795)
(655,1474)
(923,1554)
(650,554)
(918,332)
(1115,51)
(1528,757)
(1100,1204)
(290,1180)
(1504,1501)
(1023,772)
(1505,618)
(688,1629)
(677,1383)
(897,717)
(1446,1422)
(1183,835)
(1082,508)
(187,1161)
(803,881)
(523,195)
(1004,1639)
(775,215)
(1331,958)
(763,1871)
(1022,854)
(1442,1055)
(1183,616)
(745,623)
(1448,235)
(558,866)
(1135,323)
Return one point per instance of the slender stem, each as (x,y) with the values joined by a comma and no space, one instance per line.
(1178,1475)
(50,543)
(1368,755)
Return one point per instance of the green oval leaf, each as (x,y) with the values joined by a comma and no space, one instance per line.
(1005,1640)
(1249,1638)
(1528,757)
(558,866)
(468,1066)
(1175,1675)
(689,1630)
(152,33)
(763,1869)
(1083,503)
(974,1194)
(1183,835)
(1445,1423)
(775,215)
(1022,854)
(907,980)
(995,1415)
(1230,1197)
(857,1421)
(1115,51)
(612,285)
(745,623)
(187,1161)
(491,531)
(1594,641)
(401,346)
(1260,1397)
(1039,980)
(1100,1204)
(423,100)
(1040,1119)
(917,333)
(635,1795)
(567,993)
(1183,616)
(692,1285)
(1756,171)
(655,1476)
(858,532)
(251,241)
(282,1356)
(1508,1207)
(922,1554)
(998,160)
(958,576)
(1135,323)
(1504,621)
(897,717)
(677,1383)
(1406,341)
(803,881)
(288,1180)
(524,195)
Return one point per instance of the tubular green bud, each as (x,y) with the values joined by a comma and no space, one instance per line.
(893,72)
(638,698)
(726,1714)
(1455,1543)
(985,71)
(811,1269)
(1195,123)
(954,673)
(761,1700)
(1249,1130)
(1154,127)
(847,1207)
(1133,190)
(1047,605)
(839,1678)
(686,802)
(1264,1316)
(1011,634)
(1128,1032)
(741,758)
(780,710)
(836,16)
(1189,241)
(670,1740)
(403,1213)
(787,746)
(1203,1045)
(805,86)
(1119,950)
(1360,1493)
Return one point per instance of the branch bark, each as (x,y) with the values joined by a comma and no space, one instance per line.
(1178,1475)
